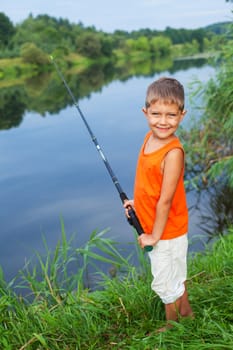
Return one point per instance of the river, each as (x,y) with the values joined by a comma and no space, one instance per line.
(50,169)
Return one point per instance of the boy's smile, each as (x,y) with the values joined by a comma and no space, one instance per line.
(163,118)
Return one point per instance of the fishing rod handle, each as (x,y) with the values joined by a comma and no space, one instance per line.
(134,221)
(136,224)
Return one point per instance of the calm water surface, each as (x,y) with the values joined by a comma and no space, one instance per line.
(51,169)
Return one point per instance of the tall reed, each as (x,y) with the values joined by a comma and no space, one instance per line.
(58,312)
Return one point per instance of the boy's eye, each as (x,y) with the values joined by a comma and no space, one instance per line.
(168,115)
(172,115)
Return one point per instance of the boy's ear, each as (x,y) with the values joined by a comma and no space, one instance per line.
(144,111)
(183,114)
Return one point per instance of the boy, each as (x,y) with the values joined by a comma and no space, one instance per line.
(159,196)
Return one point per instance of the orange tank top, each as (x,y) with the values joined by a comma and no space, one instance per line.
(147,188)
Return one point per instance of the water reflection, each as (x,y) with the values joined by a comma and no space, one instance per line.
(45,93)
(186,64)
(12,107)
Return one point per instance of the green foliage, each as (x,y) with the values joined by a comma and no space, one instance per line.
(89,45)
(211,140)
(218,28)
(30,53)
(59,35)
(94,45)
(52,276)
(181,36)
(6,30)
(142,44)
(46,32)
(156,47)
(160,46)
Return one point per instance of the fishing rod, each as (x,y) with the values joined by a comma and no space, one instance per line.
(133,219)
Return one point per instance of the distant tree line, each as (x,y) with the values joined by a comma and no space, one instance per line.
(35,38)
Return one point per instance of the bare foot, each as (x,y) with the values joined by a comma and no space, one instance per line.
(164,329)
(189,315)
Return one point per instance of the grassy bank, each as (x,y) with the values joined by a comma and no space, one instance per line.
(59,313)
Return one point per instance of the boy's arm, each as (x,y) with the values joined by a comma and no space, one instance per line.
(173,165)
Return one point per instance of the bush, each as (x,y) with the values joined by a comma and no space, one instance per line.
(30,53)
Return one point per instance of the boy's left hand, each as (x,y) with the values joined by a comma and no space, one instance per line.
(146,240)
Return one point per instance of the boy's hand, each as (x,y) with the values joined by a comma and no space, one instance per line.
(128,203)
(146,240)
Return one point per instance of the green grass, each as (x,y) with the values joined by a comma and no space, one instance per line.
(58,312)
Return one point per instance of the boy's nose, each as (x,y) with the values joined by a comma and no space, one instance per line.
(163,119)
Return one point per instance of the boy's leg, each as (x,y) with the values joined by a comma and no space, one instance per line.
(168,265)
(185,308)
(172,314)
(173,310)
(180,307)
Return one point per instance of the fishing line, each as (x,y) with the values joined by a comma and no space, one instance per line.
(133,219)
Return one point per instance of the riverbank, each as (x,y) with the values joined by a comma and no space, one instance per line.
(14,71)
(201,55)
(122,313)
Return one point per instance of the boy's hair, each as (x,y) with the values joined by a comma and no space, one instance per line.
(168,90)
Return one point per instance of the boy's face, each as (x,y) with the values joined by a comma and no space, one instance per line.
(163,118)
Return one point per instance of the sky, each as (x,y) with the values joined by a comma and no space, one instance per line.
(126,15)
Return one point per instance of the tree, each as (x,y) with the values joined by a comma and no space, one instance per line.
(30,53)
(106,44)
(47,33)
(160,46)
(129,46)
(142,44)
(89,45)
(7,30)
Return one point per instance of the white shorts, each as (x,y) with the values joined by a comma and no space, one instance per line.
(169,268)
